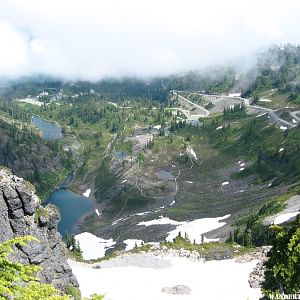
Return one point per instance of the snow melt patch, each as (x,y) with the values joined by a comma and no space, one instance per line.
(119,220)
(172,203)
(132,243)
(87,193)
(141,214)
(192,152)
(261,115)
(235,95)
(265,100)
(160,221)
(285,217)
(136,283)
(93,247)
(283,128)
(194,229)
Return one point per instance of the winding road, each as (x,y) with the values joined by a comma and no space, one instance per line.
(274,118)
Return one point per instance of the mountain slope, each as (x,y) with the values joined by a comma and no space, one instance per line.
(27,154)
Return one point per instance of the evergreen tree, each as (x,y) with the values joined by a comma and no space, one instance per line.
(282,273)
(248,238)
(231,238)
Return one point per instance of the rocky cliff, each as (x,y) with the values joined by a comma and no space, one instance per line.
(22,214)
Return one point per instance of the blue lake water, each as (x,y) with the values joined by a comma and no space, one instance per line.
(50,130)
(72,206)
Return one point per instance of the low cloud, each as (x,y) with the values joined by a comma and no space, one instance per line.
(92,39)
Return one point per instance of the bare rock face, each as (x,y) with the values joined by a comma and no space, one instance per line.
(22,214)
(257,276)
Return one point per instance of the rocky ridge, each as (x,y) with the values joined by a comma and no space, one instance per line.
(22,214)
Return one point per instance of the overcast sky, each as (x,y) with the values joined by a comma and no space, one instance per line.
(91,39)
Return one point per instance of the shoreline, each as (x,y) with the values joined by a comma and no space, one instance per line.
(50,121)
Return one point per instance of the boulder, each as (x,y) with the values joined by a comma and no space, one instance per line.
(177,290)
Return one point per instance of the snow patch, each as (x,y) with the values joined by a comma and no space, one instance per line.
(189,181)
(283,128)
(161,221)
(220,127)
(196,228)
(119,220)
(193,230)
(265,100)
(172,203)
(97,212)
(93,247)
(285,217)
(87,193)
(192,152)
(132,243)
(157,127)
(141,214)
(242,169)
(294,121)
(235,95)
(261,115)
(225,183)
(280,150)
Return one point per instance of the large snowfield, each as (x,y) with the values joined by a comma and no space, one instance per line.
(142,276)
(225,279)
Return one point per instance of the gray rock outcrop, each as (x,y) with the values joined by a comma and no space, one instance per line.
(22,214)
(257,276)
(177,290)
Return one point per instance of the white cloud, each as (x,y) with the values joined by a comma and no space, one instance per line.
(13,50)
(94,38)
